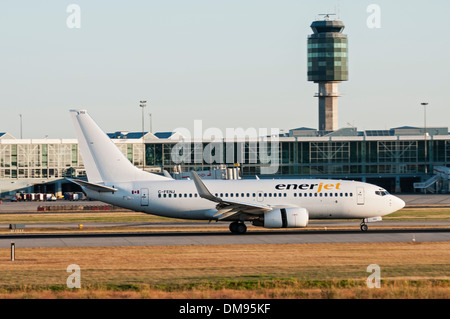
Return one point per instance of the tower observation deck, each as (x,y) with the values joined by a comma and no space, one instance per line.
(328,66)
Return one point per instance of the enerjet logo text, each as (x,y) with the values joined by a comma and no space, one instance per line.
(303,187)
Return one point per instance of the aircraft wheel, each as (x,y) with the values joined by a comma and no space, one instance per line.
(364,227)
(241,228)
(238,228)
(233,227)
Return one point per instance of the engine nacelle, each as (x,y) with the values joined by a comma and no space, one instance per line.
(286,218)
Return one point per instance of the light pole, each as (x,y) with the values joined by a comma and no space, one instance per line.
(425,104)
(20,115)
(151,126)
(143,104)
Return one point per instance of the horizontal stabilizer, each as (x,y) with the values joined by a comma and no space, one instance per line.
(94,187)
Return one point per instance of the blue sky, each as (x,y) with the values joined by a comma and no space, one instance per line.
(229,63)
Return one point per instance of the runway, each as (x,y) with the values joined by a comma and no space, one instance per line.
(225,238)
(202,233)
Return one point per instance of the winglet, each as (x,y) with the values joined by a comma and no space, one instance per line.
(202,190)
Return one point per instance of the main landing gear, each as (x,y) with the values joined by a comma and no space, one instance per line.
(238,228)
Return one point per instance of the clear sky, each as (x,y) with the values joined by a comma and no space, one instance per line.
(233,63)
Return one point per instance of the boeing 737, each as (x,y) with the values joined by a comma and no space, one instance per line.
(273,204)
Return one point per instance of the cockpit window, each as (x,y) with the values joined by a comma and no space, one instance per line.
(382,192)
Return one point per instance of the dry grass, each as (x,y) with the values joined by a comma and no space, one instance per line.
(408,270)
(80,217)
(421,213)
(295,290)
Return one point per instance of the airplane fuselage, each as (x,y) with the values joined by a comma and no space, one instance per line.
(324,199)
(272,204)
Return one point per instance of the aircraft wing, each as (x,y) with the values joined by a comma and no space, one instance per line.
(227,208)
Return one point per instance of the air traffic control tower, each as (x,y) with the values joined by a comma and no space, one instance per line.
(328,66)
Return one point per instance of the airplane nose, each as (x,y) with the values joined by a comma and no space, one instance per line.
(397,203)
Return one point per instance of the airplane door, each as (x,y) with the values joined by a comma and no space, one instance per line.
(144,197)
(360,195)
(260,196)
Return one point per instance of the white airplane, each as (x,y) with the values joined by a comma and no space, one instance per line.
(274,204)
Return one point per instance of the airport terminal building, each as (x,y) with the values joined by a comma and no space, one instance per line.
(402,160)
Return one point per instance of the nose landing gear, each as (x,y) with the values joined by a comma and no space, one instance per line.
(364,227)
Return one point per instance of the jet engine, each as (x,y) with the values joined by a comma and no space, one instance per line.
(295,217)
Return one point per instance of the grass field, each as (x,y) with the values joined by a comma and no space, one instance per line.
(408,270)
(300,271)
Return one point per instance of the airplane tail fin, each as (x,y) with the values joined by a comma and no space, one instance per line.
(103,161)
